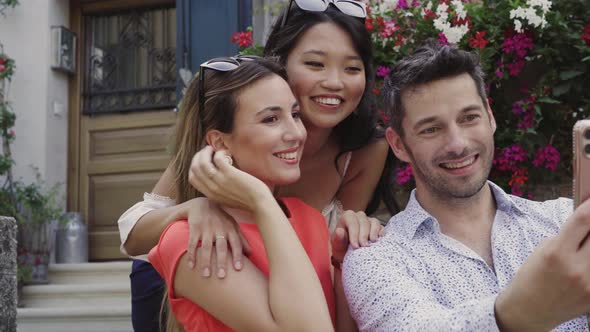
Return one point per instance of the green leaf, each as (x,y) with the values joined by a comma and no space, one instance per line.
(547,100)
(586,59)
(561,89)
(569,74)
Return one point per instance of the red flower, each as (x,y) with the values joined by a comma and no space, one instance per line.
(242,39)
(2,68)
(369,24)
(376,91)
(2,61)
(380,21)
(586,35)
(429,14)
(479,40)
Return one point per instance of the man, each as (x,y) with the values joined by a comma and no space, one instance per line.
(464,255)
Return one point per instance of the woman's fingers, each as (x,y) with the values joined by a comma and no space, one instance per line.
(204,253)
(236,250)
(350,221)
(375,229)
(193,240)
(221,252)
(364,228)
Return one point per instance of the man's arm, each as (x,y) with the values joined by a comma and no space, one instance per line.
(382,296)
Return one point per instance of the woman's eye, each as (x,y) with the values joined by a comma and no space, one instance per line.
(314,64)
(354,69)
(296,115)
(270,119)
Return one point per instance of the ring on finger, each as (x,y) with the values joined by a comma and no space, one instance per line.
(229,159)
(219,237)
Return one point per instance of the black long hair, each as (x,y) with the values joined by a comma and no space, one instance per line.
(361,127)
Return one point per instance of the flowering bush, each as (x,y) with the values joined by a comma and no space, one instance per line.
(536,56)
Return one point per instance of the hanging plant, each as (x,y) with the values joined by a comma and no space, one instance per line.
(4,4)
(6,66)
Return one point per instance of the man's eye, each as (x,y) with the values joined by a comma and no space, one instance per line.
(430,130)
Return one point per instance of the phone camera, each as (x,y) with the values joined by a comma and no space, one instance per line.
(587,149)
(587,134)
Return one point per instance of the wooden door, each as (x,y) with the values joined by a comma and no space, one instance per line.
(121,111)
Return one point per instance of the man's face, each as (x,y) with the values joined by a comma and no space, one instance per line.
(448,138)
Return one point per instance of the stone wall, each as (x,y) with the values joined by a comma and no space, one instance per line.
(8,291)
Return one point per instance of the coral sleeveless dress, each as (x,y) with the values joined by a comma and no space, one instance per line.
(308,224)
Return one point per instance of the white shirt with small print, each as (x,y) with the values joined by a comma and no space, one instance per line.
(417,279)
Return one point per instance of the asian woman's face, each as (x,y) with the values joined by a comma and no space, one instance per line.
(326,74)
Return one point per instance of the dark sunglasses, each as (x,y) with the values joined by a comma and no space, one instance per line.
(348,7)
(219,64)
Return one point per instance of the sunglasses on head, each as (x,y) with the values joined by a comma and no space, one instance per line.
(348,7)
(219,64)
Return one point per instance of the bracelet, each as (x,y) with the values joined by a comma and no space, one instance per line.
(336,263)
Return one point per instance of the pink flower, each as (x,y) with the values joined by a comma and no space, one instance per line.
(499,73)
(443,39)
(526,109)
(369,24)
(388,30)
(404,174)
(515,68)
(548,156)
(508,158)
(518,44)
(383,71)
(402,4)
(2,67)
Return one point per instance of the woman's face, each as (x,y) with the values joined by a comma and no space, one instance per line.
(268,136)
(326,74)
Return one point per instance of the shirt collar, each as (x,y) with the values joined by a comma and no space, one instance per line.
(413,216)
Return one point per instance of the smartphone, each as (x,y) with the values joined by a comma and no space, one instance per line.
(581,145)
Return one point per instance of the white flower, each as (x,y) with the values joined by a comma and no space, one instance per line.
(518,26)
(388,5)
(459,9)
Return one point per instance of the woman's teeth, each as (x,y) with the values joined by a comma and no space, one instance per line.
(287,156)
(327,101)
(459,165)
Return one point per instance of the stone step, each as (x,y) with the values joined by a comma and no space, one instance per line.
(75,319)
(87,273)
(72,295)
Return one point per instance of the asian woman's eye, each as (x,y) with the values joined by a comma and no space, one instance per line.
(354,69)
(270,119)
(315,64)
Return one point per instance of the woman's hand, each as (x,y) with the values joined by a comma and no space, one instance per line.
(356,229)
(212,174)
(211,226)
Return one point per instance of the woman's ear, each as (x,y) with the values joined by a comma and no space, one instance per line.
(217,140)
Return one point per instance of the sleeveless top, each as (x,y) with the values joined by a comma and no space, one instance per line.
(307,223)
(334,209)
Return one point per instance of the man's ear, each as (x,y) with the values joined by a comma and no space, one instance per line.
(491,115)
(397,145)
(217,140)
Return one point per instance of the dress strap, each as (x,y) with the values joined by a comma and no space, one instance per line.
(346,163)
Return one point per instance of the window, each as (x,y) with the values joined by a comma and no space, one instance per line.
(130,61)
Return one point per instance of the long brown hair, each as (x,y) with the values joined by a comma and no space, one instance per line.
(221,90)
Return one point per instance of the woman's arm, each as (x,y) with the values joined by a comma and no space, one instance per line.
(365,169)
(291,299)
(206,221)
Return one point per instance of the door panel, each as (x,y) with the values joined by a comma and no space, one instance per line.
(122,156)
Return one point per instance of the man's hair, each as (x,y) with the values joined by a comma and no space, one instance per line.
(430,62)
